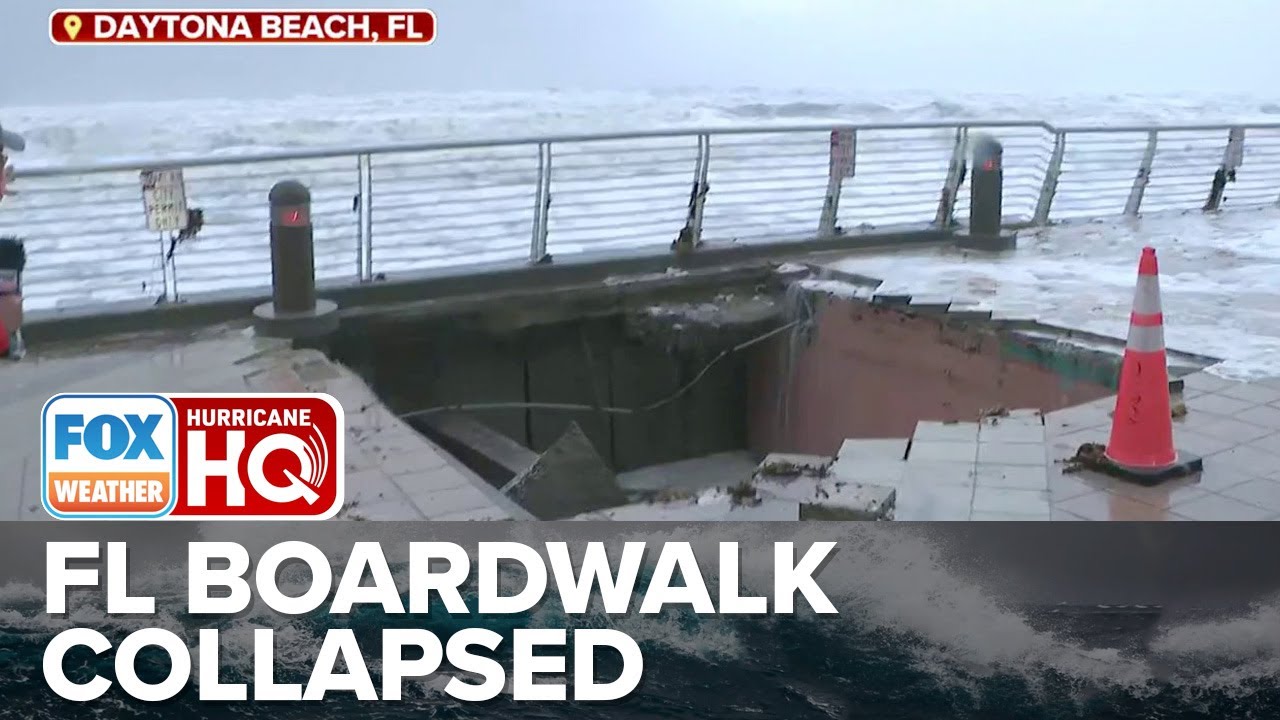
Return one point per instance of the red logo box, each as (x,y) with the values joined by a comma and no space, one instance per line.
(259,456)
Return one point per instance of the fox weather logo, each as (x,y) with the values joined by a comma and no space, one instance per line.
(193,456)
(135,436)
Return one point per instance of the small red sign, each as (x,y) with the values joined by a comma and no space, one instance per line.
(294,217)
(256,456)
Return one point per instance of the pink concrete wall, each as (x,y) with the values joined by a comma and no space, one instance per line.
(873,372)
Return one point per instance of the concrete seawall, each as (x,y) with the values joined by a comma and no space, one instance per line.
(874,371)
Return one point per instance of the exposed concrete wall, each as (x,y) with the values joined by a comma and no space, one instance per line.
(587,362)
(873,372)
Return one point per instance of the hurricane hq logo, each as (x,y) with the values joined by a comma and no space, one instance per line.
(193,457)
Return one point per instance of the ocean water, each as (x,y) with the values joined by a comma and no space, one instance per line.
(914,640)
(88,243)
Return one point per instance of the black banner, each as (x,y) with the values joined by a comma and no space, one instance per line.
(725,620)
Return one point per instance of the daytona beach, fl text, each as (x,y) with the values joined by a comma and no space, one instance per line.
(234,27)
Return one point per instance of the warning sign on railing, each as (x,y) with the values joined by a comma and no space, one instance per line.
(1234,156)
(164,196)
(844,148)
(6,174)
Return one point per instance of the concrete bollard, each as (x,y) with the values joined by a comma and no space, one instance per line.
(986,200)
(294,310)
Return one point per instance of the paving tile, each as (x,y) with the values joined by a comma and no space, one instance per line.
(1057,514)
(1207,382)
(872,449)
(1218,507)
(1025,416)
(1162,496)
(1011,454)
(1234,466)
(936,474)
(934,504)
(870,472)
(929,431)
(439,503)
(1017,502)
(1065,486)
(1263,415)
(1195,442)
(1254,393)
(1269,443)
(1074,419)
(1011,432)
(1101,505)
(1233,430)
(1065,446)
(1263,492)
(943,451)
(382,510)
(1218,404)
(1020,477)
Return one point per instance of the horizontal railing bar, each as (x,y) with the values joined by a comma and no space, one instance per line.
(336,152)
(187,162)
(1082,129)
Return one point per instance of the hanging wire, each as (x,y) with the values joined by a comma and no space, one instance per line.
(573,407)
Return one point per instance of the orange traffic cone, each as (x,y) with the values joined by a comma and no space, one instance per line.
(1141,445)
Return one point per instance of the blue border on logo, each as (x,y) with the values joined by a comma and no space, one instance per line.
(173,458)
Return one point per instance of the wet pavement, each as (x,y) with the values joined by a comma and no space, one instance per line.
(393,473)
(1012,468)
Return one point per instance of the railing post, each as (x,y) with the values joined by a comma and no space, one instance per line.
(955,176)
(1048,189)
(1143,178)
(364,206)
(986,199)
(690,236)
(843,163)
(294,311)
(1232,158)
(542,207)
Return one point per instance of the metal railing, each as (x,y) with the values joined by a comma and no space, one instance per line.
(383,210)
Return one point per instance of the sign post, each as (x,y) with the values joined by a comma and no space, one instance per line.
(843,159)
(164,199)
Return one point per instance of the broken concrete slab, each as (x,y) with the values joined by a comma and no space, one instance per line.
(494,456)
(831,498)
(807,479)
(691,476)
(789,465)
(568,479)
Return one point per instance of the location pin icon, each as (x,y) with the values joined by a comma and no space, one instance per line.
(72,25)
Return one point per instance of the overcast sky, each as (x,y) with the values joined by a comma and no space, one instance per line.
(873,46)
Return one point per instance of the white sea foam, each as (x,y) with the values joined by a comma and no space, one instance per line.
(1219,271)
